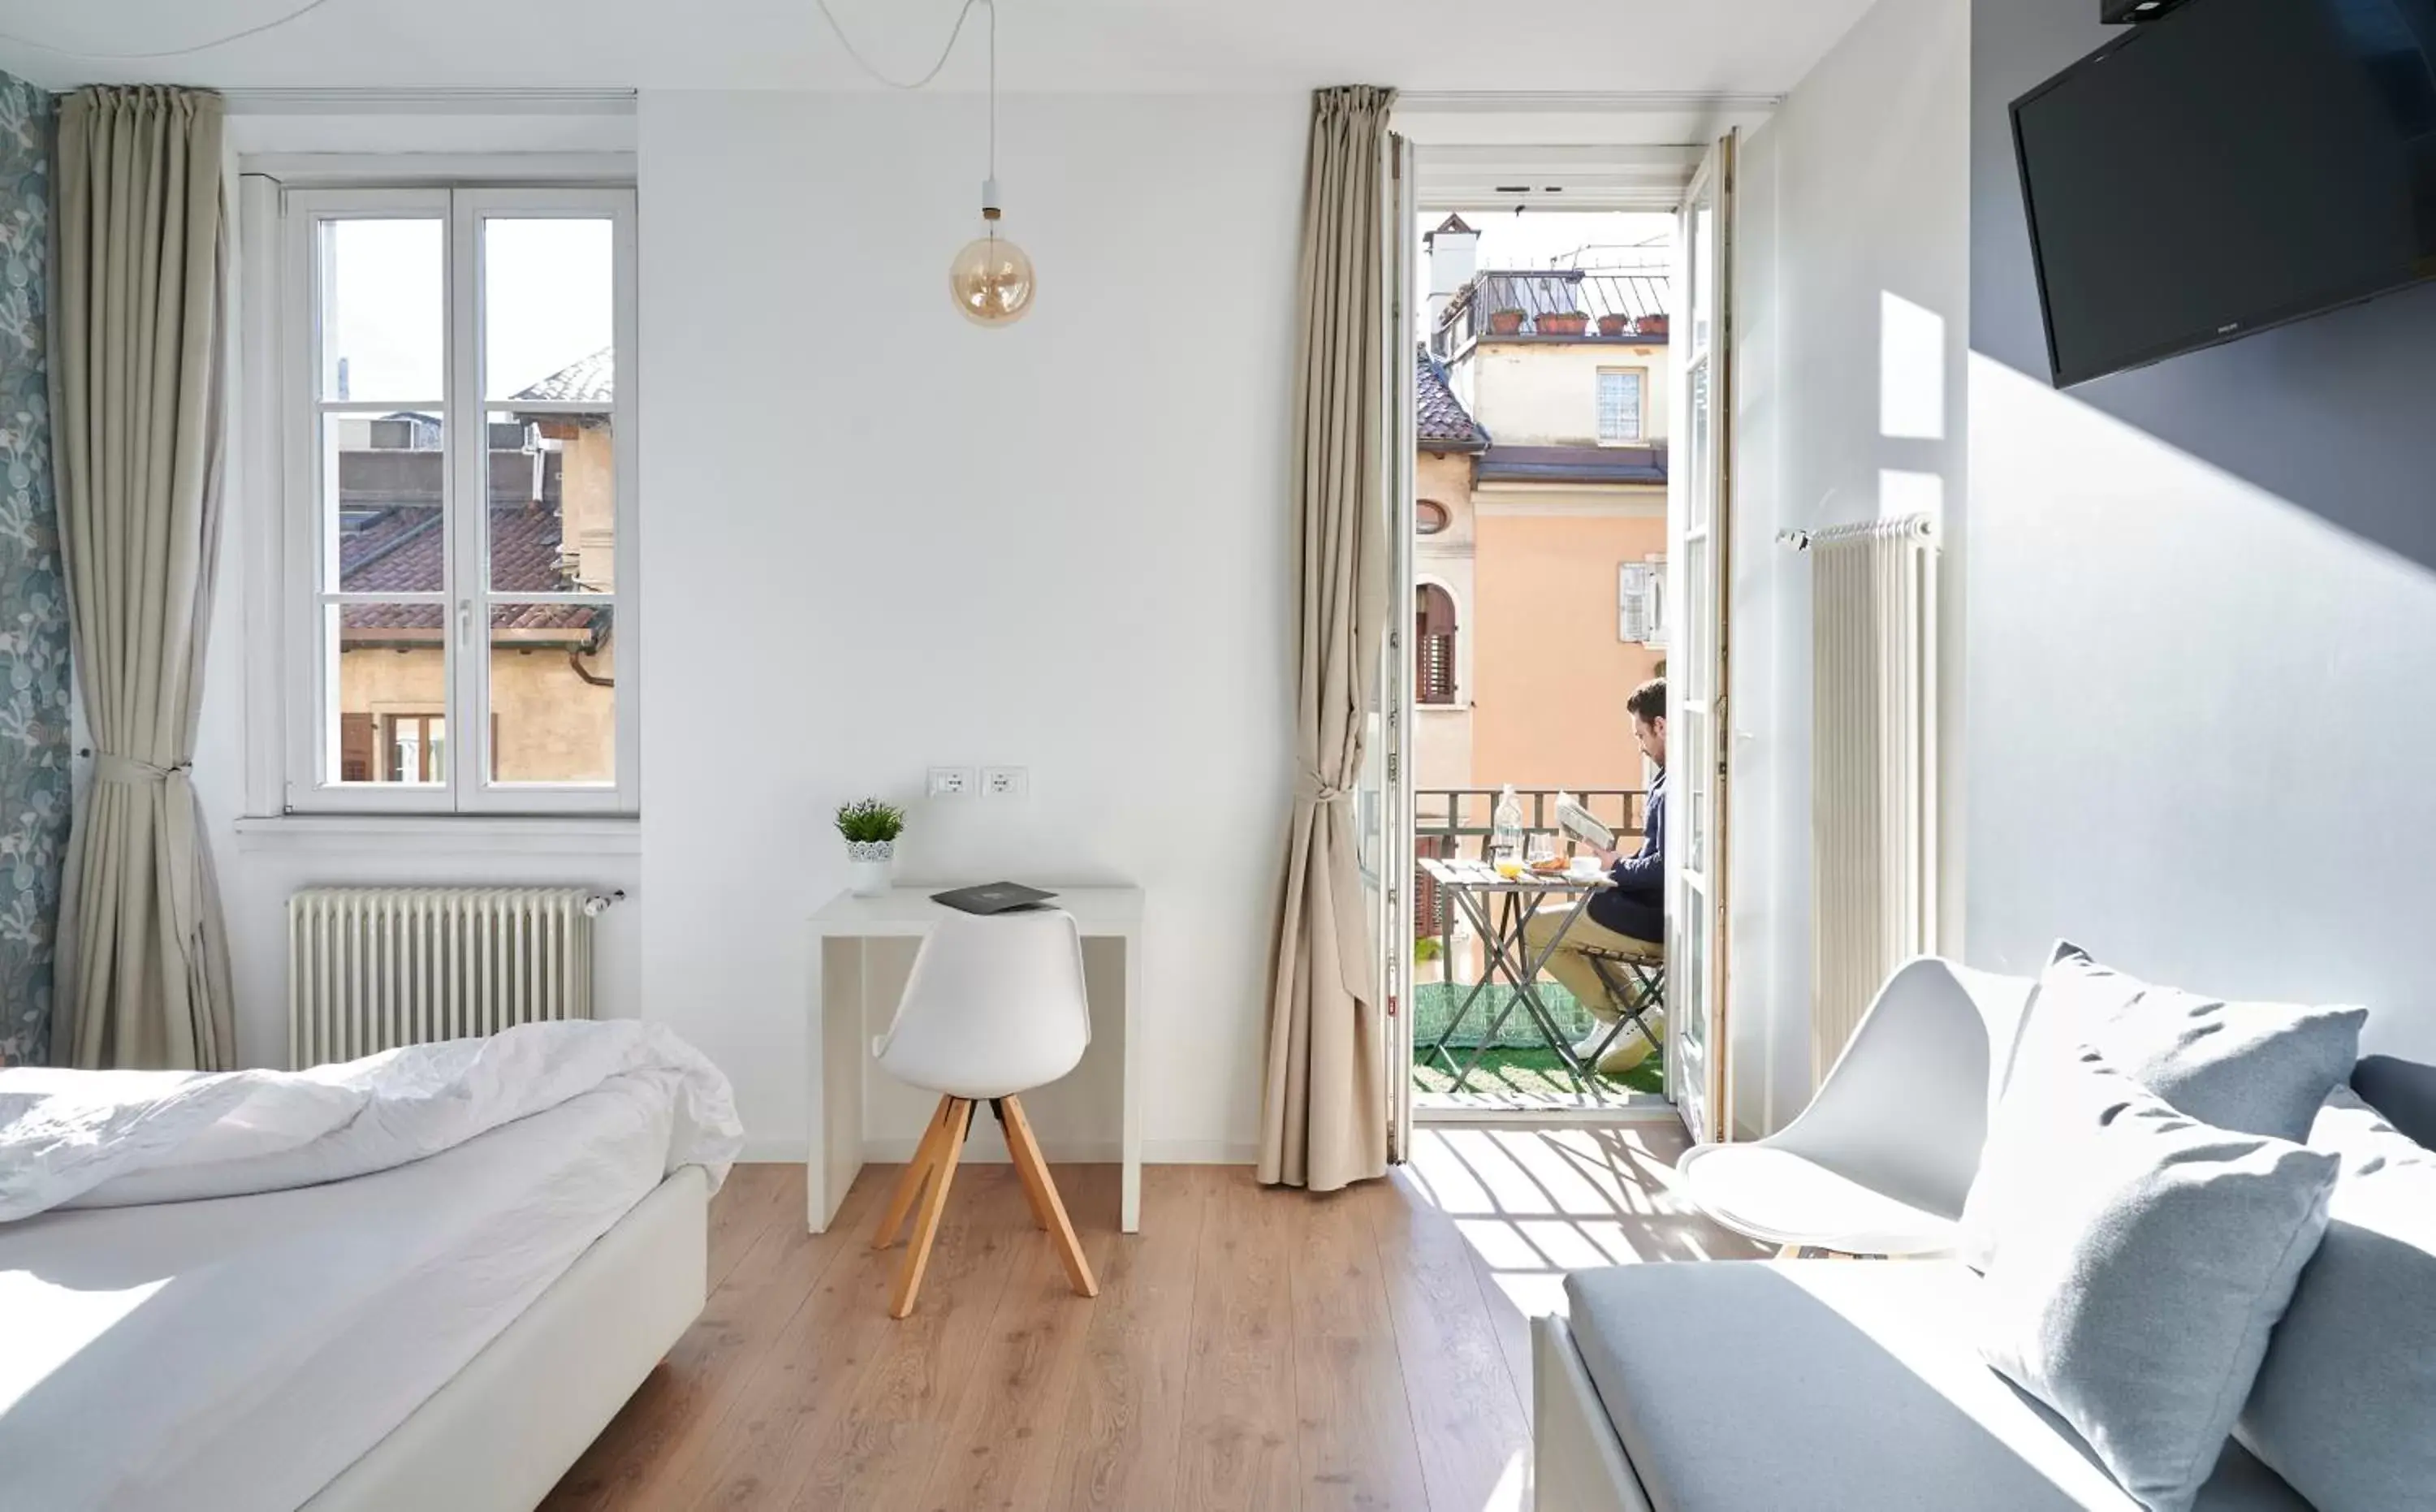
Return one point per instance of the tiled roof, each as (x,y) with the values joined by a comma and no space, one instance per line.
(405,551)
(1445,425)
(592,379)
(1574,464)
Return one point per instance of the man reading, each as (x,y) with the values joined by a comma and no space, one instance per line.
(1626,919)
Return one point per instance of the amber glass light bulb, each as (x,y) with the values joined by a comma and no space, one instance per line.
(991,278)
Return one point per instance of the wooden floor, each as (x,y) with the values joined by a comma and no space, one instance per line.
(1250,1347)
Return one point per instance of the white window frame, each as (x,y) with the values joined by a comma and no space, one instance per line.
(309,741)
(1639,434)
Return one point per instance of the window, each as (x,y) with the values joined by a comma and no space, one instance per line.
(1434,645)
(1619,405)
(1430,517)
(459,475)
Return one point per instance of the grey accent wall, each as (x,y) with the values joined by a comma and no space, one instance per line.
(2201,627)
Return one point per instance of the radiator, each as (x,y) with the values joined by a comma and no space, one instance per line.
(1873,766)
(374,967)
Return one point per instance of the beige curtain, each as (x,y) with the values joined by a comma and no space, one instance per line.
(1324,1108)
(137,376)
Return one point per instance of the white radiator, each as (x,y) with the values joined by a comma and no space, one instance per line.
(1873,766)
(374,967)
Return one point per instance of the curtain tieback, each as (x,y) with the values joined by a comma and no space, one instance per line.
(1310,789)
(131,772)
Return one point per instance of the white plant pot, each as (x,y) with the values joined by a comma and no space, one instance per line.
(871,866)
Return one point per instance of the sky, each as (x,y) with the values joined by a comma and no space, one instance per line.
(1550,239)
(546,295)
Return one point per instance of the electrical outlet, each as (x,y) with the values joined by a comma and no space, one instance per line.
(951,782)
(1007,782)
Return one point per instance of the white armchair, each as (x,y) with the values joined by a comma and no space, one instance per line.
(1881,1159)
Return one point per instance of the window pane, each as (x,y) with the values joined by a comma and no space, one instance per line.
(548,310)
(383,320)
(553,693)
(390,693)
(1619,399)
(382,478)
(554,515)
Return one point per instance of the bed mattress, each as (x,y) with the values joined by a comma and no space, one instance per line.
(236,1354)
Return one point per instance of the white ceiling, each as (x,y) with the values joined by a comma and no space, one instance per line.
(1613,46)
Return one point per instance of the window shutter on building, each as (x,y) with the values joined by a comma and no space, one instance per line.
(358,746)
(1434,647)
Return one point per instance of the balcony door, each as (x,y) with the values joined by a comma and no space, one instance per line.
(1385,797)
(1699,488)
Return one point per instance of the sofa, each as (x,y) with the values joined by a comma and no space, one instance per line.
(1826,1385)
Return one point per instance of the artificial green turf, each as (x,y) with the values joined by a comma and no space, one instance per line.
(1533,1073)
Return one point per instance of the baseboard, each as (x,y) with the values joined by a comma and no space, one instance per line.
(986,1147)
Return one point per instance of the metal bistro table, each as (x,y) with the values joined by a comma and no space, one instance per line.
(1514,902)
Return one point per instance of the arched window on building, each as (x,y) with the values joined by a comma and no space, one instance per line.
(1434,645)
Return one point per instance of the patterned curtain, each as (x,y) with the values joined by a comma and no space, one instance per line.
(33,611)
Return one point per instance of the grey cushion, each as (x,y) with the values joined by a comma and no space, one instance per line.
(2253,1068)
(2137,1262)
(2345,1405)
(1840,1386)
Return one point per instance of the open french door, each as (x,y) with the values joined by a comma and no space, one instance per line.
(1386,799)
(1699,487)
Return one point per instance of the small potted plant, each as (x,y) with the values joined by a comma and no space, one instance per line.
(1650,326)
(1615,325)
(1506,321)
(1563,322)
(870,829)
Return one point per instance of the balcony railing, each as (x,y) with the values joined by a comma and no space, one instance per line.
(1457,823)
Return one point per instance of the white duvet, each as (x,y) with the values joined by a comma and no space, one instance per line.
(112,1139)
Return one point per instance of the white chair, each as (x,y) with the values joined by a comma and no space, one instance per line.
(995,1007)
(1881,1159)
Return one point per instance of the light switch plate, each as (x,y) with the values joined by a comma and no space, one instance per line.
(1007,782)
(951,782)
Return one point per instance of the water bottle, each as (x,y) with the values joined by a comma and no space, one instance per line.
(1505,831)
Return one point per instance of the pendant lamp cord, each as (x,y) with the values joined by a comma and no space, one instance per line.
(274,24)
(945,53)
(932,72)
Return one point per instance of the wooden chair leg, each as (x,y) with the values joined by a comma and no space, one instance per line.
(926,1227)
(909,1185)
(1026,1151)
(1031,1194)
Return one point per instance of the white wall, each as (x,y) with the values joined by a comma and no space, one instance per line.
(875,538)
(1854,284)
(2202,629)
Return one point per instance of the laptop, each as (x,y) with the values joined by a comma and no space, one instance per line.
(993,897)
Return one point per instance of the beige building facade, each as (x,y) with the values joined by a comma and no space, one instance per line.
(551,528)
(1541,483)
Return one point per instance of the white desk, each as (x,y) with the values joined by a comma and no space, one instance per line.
(844,1020)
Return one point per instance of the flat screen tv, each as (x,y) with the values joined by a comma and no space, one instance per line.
(2231,165)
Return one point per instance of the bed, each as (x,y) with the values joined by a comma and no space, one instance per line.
(447,1331)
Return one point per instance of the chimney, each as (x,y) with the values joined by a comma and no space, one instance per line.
(1455,257)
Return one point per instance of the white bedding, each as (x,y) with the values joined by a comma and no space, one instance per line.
(235,1354)
(92,1138)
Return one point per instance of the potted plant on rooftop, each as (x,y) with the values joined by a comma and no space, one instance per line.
(1507,322)
(1562,323)
(870,829)
(1613,325)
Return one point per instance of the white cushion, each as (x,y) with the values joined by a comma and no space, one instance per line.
(2136,1261)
